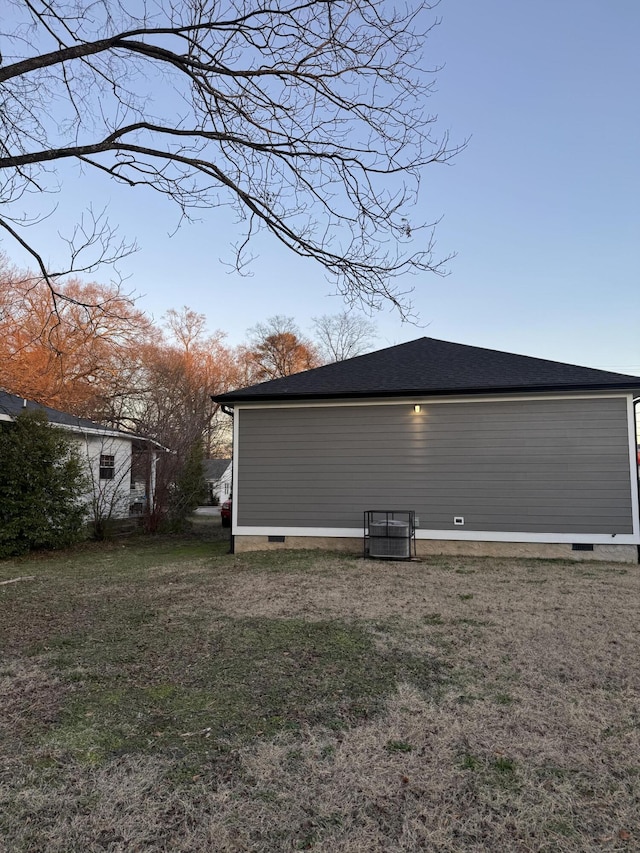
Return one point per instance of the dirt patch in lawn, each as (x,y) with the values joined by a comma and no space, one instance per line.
(307,701)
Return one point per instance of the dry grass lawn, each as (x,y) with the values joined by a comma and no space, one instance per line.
(167,696)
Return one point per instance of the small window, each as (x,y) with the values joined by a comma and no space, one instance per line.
(226,488)
(107,466)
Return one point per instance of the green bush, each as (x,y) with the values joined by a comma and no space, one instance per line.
(189,489)
(41,486)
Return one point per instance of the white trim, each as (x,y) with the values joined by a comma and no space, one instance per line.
(448,535)
(633,465)
(106,433)
(234,472)
(427,401)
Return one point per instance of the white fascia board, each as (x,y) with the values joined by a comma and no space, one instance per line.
(428,401)
(447,535)
(108,433)
(103,432)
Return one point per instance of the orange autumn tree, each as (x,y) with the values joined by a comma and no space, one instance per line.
(73,359)
(178,372)
(276,348)
(99,356)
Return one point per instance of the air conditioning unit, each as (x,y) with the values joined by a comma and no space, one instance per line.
(388,534)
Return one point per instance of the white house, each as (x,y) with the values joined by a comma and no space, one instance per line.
(217,475)
(108,454)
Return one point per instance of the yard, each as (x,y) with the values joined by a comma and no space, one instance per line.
(166,696)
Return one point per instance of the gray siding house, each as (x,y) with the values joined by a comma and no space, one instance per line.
(497,454)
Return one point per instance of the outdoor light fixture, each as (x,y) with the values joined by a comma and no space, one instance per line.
(417,408)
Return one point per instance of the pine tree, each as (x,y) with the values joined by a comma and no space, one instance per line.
(41,487)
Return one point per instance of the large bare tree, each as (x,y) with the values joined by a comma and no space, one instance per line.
(341,336)
(308,117)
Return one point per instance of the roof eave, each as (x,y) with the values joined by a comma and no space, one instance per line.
(413,392)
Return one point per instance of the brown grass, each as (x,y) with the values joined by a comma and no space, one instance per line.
(508,717)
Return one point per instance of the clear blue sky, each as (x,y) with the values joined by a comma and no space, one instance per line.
(542,209)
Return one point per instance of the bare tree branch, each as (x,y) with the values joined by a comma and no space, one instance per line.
(307,117)
(342,336)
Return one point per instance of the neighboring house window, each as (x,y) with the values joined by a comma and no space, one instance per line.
(226,488)
(107,466)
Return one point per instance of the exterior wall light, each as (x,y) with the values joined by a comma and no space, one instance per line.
(417,408)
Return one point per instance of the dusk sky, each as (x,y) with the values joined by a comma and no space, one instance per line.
(542,208)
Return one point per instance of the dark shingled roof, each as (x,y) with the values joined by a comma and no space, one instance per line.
(430,367)
(215,468)
(13,405)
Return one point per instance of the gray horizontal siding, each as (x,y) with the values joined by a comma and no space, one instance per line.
(539,466)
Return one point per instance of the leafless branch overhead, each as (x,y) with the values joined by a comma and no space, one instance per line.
(309,118)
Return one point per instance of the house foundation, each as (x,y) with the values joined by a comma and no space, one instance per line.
(441,547)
